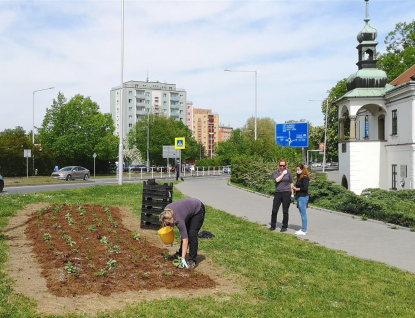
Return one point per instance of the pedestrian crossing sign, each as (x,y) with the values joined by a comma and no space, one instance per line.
(179,143)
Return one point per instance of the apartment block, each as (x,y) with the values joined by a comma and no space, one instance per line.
(141,98)
(206,129)
(189,115)
(224,133)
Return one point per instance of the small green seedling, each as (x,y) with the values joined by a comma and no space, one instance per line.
(47,237)
(136,235)
(178,262)
(112,264)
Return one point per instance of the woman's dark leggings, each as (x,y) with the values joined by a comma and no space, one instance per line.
(285,199)
(193,226)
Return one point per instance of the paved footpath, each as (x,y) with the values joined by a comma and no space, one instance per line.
(369,239)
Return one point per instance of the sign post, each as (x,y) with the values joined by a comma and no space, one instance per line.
(94,155)
(179,143)
(27,153)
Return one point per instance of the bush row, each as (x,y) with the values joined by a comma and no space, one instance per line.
(397,207)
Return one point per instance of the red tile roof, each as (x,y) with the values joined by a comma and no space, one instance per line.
(404,77)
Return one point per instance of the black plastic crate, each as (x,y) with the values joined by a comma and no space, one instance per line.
(155,199)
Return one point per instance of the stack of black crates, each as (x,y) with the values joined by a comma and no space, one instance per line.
(155,198)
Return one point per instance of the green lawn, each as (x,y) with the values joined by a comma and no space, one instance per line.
(281,275)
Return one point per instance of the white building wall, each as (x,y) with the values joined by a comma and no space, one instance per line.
(402,156)
(365,165)
(405,122)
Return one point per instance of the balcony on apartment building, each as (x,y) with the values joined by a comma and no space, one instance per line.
(174,114)
(174,106)
(141,102)
(174,98)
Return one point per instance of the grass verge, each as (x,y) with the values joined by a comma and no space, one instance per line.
(282,275)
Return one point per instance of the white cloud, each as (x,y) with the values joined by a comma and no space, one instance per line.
(299,48)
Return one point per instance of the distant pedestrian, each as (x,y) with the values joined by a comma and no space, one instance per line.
(188,215)
(301,190)
(178,170)
(283,194)
(177,167)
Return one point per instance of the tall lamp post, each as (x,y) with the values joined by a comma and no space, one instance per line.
(120,125)
(33,131)
(325,128)
(148,137)
(256,94)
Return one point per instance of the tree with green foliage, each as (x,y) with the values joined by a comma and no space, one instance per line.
(265,129)
(75,130)
(162,132)
(400,50)
(332,119)
(12,145)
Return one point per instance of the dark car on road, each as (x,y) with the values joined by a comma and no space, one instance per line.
(72,173)
(139,168)
(1,183)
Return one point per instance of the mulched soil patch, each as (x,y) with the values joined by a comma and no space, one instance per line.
(85,249)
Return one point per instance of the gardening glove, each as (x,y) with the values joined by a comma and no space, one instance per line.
(184,264)
(292,198)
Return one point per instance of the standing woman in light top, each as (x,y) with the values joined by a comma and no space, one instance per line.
(188,215)
(283,194)
(301,189)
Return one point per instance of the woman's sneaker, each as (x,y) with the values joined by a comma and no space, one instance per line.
(300,232)
(192,264)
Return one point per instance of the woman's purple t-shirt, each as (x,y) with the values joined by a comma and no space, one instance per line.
(183,210)
(285,184)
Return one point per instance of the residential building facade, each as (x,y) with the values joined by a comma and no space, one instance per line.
(206,129)
(379,151)
(224,133)
(141,98)
(189,115)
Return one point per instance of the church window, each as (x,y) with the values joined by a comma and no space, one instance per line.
(394,122)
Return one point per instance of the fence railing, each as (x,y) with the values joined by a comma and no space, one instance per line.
(196,172)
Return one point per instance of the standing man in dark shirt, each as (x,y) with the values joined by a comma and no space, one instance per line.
(188,215)
(178,168)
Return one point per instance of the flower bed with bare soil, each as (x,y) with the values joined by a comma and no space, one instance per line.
(85,249)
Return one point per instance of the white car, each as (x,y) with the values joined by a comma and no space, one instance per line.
(71,173)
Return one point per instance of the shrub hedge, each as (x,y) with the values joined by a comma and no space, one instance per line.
(397,207)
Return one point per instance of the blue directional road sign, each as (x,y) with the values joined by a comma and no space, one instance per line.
(292,134)
(179,143)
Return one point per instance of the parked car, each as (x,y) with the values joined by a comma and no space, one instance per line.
(189,167)
(227,169)
(1,183)
(139,168)
(72,173)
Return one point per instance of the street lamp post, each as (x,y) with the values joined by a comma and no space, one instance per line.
(33,128)
(148,138)
(325,129)
(256,95)
(120,125)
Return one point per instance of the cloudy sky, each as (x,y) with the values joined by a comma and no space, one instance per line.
(300,50)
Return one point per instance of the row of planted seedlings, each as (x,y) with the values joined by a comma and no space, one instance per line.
(83,237)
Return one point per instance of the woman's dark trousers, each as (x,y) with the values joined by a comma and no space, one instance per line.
(285,199)
(193,226)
